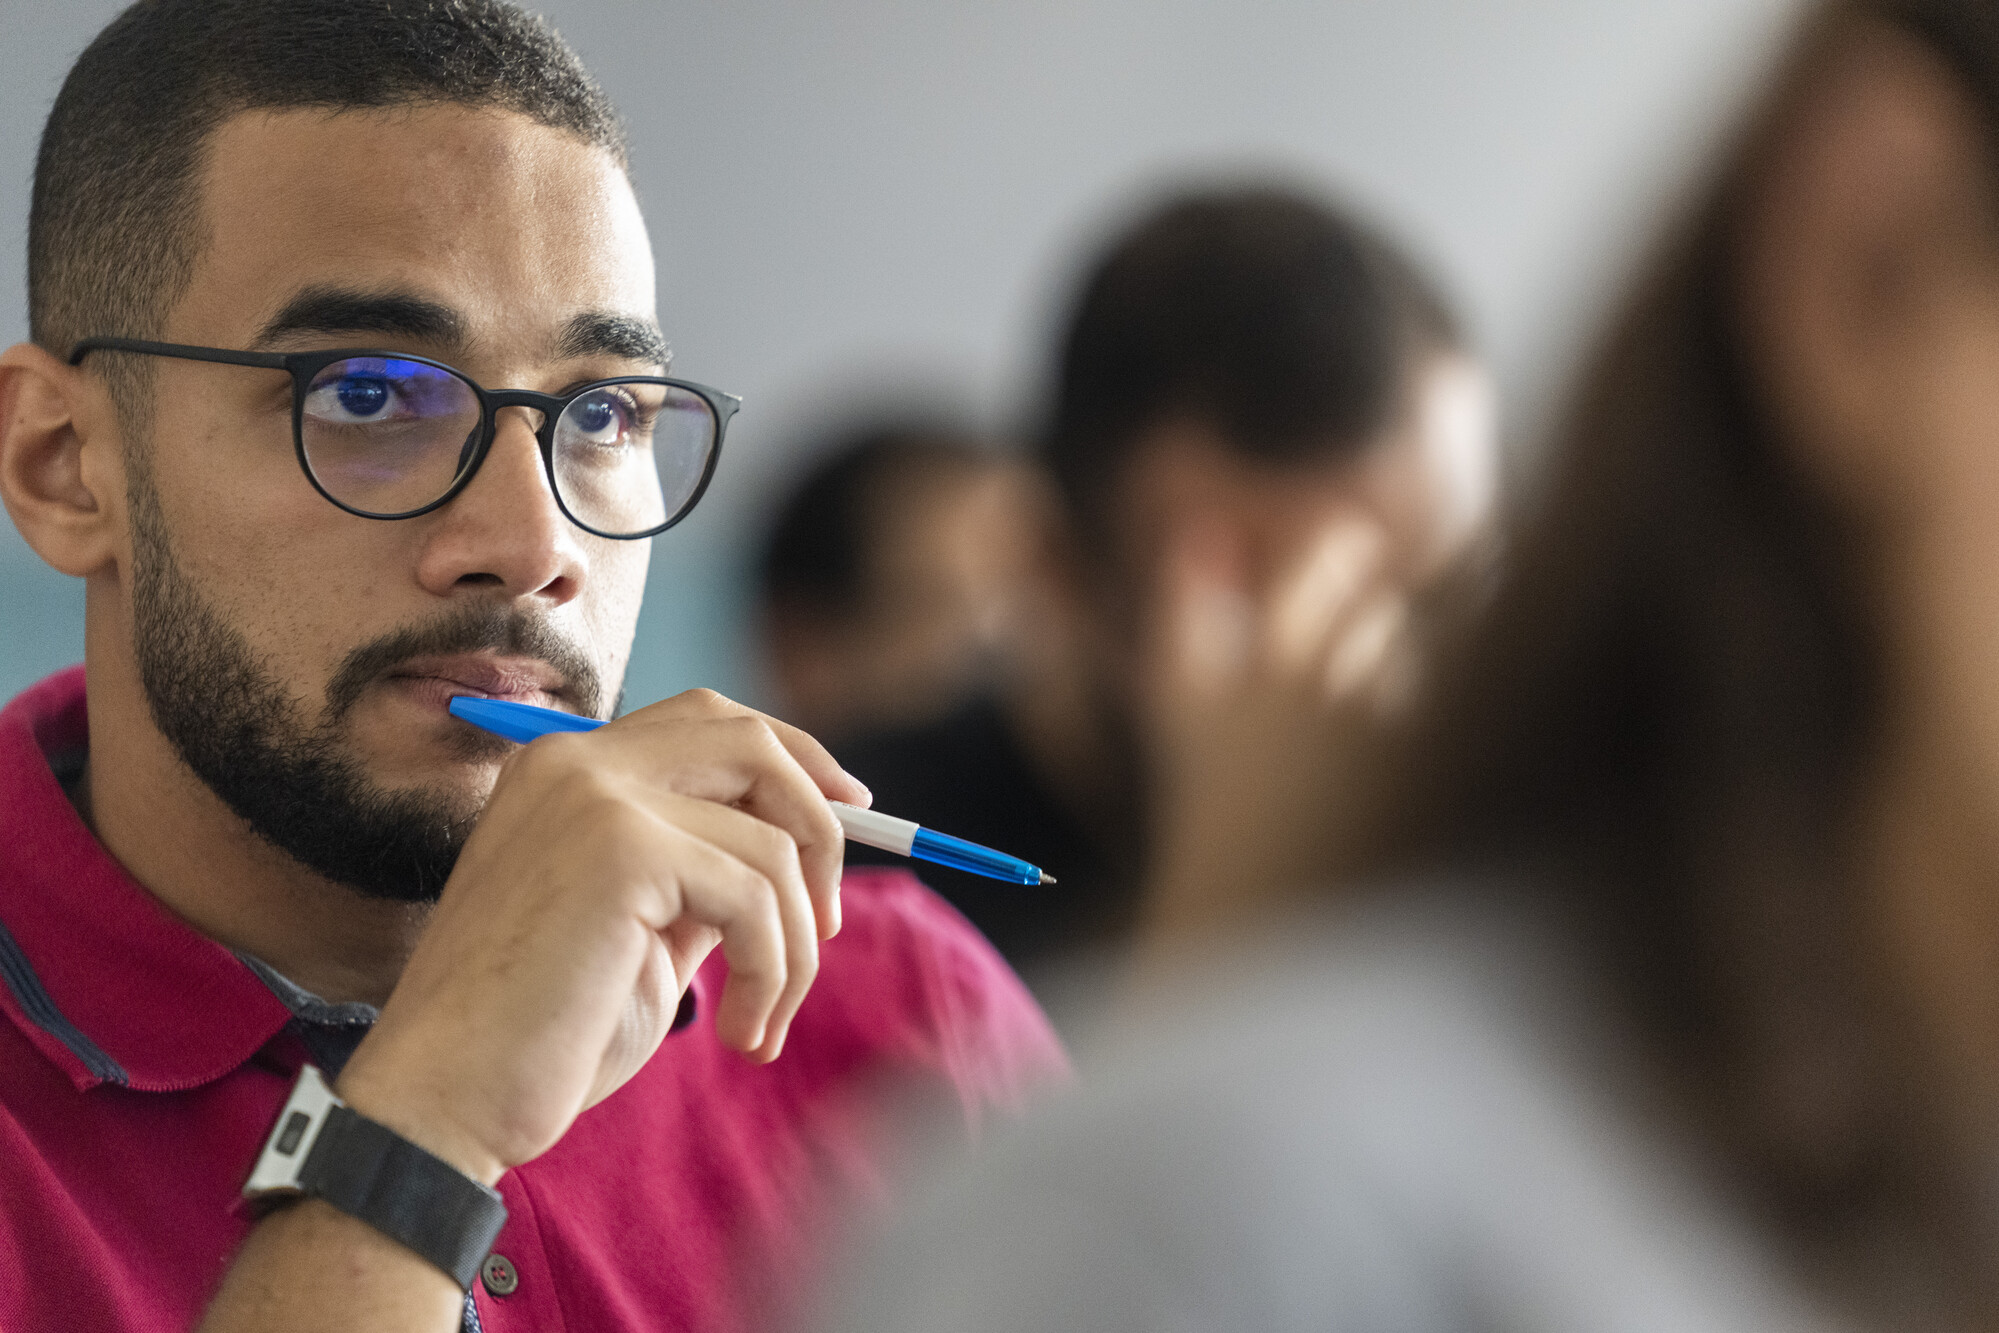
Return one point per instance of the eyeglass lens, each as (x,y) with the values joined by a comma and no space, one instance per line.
(629,456)
(385,436)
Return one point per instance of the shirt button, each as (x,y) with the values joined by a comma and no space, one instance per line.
(499,1275)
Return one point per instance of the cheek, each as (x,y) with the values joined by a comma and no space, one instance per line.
(283,566)
(612,600)
(1932,513)
(1948,446)
(1935,497)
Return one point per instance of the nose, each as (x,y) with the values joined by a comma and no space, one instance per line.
(504,530)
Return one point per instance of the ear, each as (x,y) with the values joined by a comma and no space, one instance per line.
(1863,234)
(62,474)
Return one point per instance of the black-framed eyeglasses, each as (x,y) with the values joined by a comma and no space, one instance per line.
(386,435)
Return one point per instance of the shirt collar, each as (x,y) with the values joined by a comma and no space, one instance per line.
(99,975)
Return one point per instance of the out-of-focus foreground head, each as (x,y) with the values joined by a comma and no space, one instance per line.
(888,579)
(1740,690)
(1255,358)
(431,177)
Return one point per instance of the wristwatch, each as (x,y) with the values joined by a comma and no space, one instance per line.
(321,1148)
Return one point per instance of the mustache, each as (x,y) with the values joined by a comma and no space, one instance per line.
(477,627)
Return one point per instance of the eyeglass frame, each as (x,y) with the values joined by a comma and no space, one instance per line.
(302,366)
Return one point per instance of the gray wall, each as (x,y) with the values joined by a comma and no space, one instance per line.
(849,197)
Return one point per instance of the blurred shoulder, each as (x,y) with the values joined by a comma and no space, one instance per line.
(1406,1116)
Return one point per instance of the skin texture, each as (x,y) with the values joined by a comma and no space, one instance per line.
(1869,284)
(607,866)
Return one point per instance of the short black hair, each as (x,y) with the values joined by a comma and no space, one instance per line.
(815,559)
(114,231)
(1270,315)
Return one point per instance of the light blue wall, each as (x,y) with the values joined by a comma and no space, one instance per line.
(41,616)
(892,190)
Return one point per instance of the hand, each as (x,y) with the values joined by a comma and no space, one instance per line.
(605,868)
(1256,706)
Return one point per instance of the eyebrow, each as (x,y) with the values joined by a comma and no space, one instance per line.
(333,310)
(597,334)
(337,310)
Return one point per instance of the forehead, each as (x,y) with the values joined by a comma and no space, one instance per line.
(516,225)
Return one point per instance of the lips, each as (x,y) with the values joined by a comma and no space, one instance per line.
(484,675)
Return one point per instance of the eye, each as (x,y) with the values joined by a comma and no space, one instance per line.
(362,398)
(352,399)
(602,417)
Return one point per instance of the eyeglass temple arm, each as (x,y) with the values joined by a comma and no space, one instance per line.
(262,360)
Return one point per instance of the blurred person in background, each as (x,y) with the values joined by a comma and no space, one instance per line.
(1249,382)
(886,585)
(1685,1014)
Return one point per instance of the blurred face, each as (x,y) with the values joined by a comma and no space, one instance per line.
(945,553)
(1427,484)
(1869,306)
(1424,488)
(1870,298)
(301,658)
(944,571)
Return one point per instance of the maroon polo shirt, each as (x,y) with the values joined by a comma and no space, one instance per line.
(141,1065)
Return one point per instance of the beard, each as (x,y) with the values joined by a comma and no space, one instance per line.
(296,780)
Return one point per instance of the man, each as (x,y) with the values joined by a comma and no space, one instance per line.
(1268,444)
(275,250)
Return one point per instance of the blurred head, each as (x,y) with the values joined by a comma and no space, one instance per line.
(437,177)
(888,578)
(1253,361)
(1740,692)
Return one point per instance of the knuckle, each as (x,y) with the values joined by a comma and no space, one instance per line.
(828,834)
(762,906)
(613,825)
(701,699)
(777,844)
(556,752)
(804,967)
(749,725)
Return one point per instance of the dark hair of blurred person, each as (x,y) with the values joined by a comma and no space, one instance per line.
(1702,1030)
(1251,382)
(887,577)
(1283,327)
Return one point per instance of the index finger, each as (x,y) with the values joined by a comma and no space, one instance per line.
(792,792)
(819,764)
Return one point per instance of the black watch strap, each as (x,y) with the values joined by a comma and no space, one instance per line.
(420,1201)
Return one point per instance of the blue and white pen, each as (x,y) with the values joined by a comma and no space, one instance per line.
(524,722)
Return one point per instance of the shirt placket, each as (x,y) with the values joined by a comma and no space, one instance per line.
(516,1287)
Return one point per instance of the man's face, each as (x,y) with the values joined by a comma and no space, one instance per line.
(299,657)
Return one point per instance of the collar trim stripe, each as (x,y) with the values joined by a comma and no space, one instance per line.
(40,1010)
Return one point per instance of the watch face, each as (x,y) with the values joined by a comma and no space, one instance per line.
(293,1135)
(290,1133)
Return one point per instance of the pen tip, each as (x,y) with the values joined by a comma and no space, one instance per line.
(1047,878)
